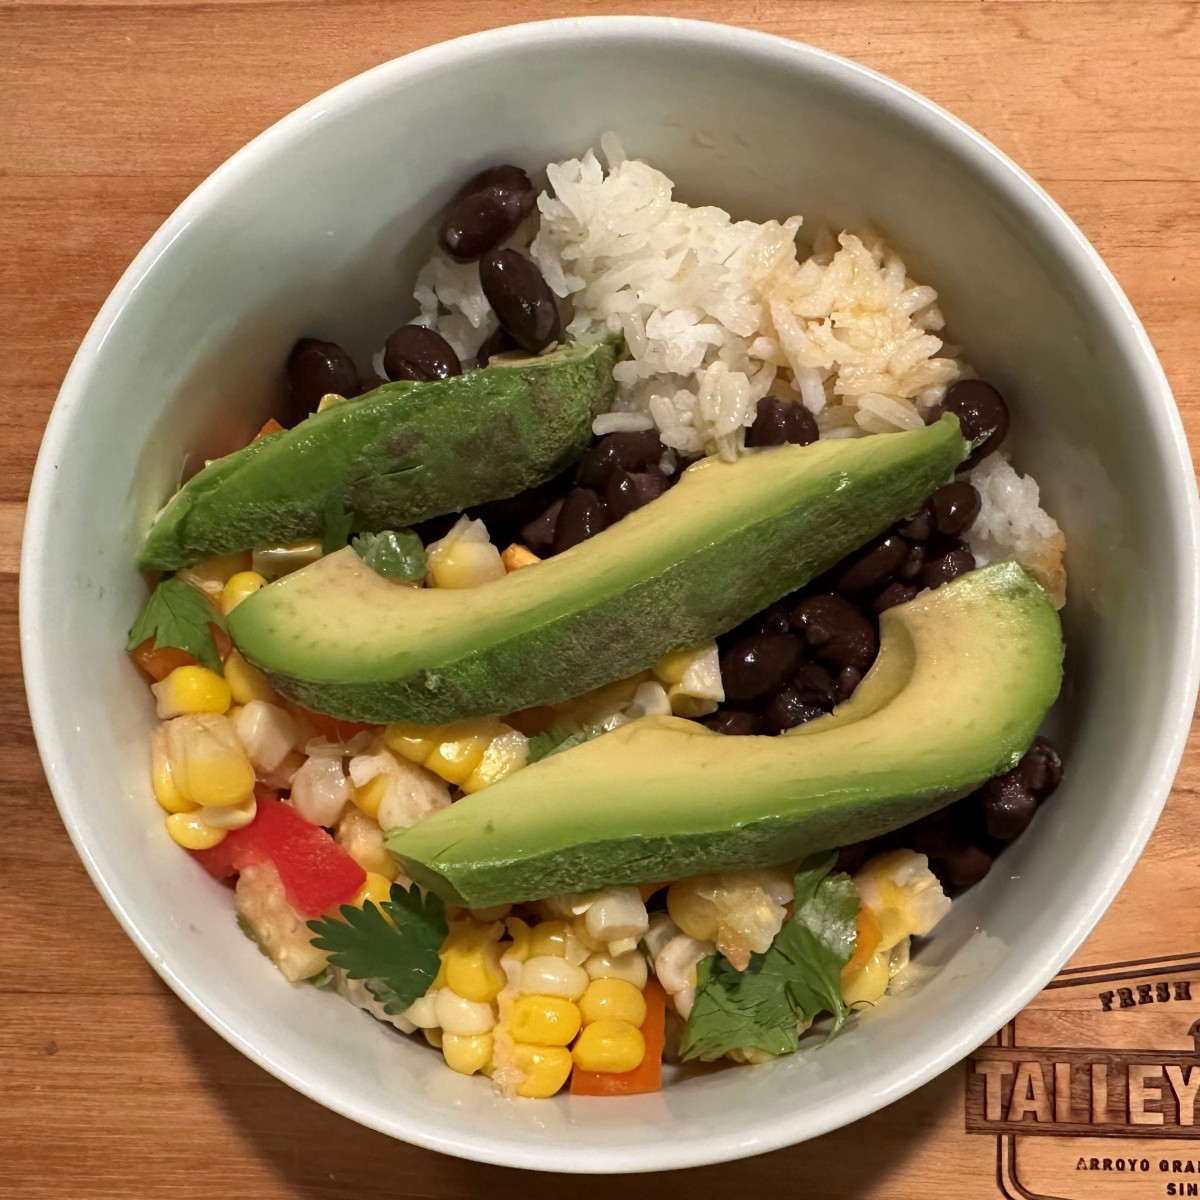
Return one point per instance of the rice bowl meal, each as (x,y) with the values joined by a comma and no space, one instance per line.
(626,666)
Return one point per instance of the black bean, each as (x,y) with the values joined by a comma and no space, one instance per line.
(843,687)
(815,685)
(507,184)
(369,382)
(629,490)
(500,341)
(871,567)
(911,567)
(618,452)
(919,527)
(538,534)
(521,298)
(777,422)
(934,835)
(954,507)
(950,564)
(414,352)
(851,857)
(982,415)
(738,724)
(1008,805)
(893,594)
(787,710)
(1041,768)
(840,636)
(472,226)
(759,665)
(772,620)
(963,866)
(582,516)
(315,369)
(506,519)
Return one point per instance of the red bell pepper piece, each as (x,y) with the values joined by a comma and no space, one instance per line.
(315,871)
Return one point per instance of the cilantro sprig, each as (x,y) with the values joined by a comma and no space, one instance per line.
(392,947)
(560,738)
(394,555)
(797,979)
(179,615)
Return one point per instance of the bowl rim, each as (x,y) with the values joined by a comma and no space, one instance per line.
(1025,979)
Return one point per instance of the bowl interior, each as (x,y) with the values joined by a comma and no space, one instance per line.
(317,229)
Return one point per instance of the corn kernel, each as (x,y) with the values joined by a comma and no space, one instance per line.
(165,791)
(521,936)
(545,1069)
(465,565)
(414,742)
(544,1020)
(457,1014)
(434,1037)
(466,1055)
(282,558)
(613,998)
(546,975)
(507,752)
(630,966)
(580,928)
(550,937)
(518,556)
(376,888)
(238,588)
(246,683)
(211,575)
(188,831)
(868,983)
(610,1046)
(191,690)
(232,816)
(422,1012)
(208,764)
(455,758)
(369,797)
(473,967)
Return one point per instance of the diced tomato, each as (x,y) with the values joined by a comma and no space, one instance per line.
(315,871)
(272,426)
(158,664)
(647,1075)
(332,728)
(867,936)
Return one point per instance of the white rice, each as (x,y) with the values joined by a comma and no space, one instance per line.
(718,313)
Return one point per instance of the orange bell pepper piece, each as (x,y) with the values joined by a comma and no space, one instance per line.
(647,1075)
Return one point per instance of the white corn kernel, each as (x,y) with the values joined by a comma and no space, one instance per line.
(675,965)
(422,1012)
(320,789)
(268,732)
(662,929)
(618,915)
(283,558)
(630,966)
(464,1017)
(549,975)
(234,816)
(650,700)
(903,893)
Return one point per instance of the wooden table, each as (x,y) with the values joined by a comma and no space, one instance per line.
(110,113)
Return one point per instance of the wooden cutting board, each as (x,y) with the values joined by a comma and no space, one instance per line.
(110,113)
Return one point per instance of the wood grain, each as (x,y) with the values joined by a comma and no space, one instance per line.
(110,113)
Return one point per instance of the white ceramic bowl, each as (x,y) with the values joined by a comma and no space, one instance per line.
(315,228)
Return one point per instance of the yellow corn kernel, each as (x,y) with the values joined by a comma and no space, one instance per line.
(613,998)
(467,1054)
(232,816)
(692,910)
(671,668)
(610,1046)
(414,742)
(473,968)
(455,758)
(507,752)
(518,556)
(550,937)
(434,1037)
(376,888)
(465,565)
(545,1069)
(211,575)
(630,966)
(369,797)
(161,779)
(191,690)
(188,831)
(521,936)
(585,935)
(247,683)
(868,983)
(208,764)
(238,588)
(544,1020)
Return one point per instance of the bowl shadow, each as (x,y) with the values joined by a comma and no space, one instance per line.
(320,1155)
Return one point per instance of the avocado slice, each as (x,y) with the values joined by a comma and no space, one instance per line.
(399,454)
(723,543)
(963,679)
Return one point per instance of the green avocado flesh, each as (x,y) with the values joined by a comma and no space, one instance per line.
(963,679)
(723,543)
(400,454)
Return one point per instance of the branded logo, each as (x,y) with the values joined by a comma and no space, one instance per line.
(1095,1087)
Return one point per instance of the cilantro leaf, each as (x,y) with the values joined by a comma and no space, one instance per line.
(393,555)
(798,978)
(179,615)
(560,738)
(338,523)
(396,957)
